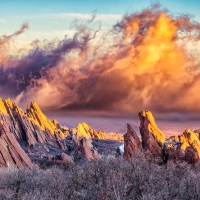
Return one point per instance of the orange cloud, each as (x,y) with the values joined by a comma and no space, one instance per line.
(144,62)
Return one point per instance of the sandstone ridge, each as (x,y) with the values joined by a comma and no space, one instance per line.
(30,135)
(21,131)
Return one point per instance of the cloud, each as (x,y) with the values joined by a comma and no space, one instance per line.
(5,41)
(142,63)
(2,21)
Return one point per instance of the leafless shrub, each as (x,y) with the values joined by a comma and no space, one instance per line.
(119,179)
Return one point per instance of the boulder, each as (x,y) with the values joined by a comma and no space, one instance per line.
(132,143)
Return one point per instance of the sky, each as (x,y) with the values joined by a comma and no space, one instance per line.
(132,55)
(52,19)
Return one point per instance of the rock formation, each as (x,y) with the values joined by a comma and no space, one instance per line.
(66,158)
(84,130)
(19,129)
(190,144)
(85,147)
(152,138)
(49,127)
(30,127)
(182,147)
(132,143)
(11,154)
(188,138)
(192,154)
(197,132)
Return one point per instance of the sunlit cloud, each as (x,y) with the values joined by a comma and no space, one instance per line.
(143,62)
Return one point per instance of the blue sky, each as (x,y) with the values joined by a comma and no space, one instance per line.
(52,19)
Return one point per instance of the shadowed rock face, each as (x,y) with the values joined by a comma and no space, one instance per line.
(11,153)
(132,143)
(66,158)
(152,138)
(192,154)
(84,145)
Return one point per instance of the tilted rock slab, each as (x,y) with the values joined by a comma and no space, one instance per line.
(132,143)
(152,137)
(25,129)
(11,153)
(84,145)
(30,127)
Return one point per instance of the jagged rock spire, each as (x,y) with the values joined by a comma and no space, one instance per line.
(132,143)
(152,137)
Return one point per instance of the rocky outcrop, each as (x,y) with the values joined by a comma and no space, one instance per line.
(197,132)
(84,130)
(25,130)
(30,127)
(152,138)
(190,145)
(85,147)
(11,153)
(66,158)
(192,154)
(49,127)
(182,147)
(188,138)
(132,143)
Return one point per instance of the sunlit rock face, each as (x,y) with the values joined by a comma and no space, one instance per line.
(190,145)
(84,130)
(197,132)
(152,138)
(132,143)
(30,127)
(34,113)
(188,138)
(25,129)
